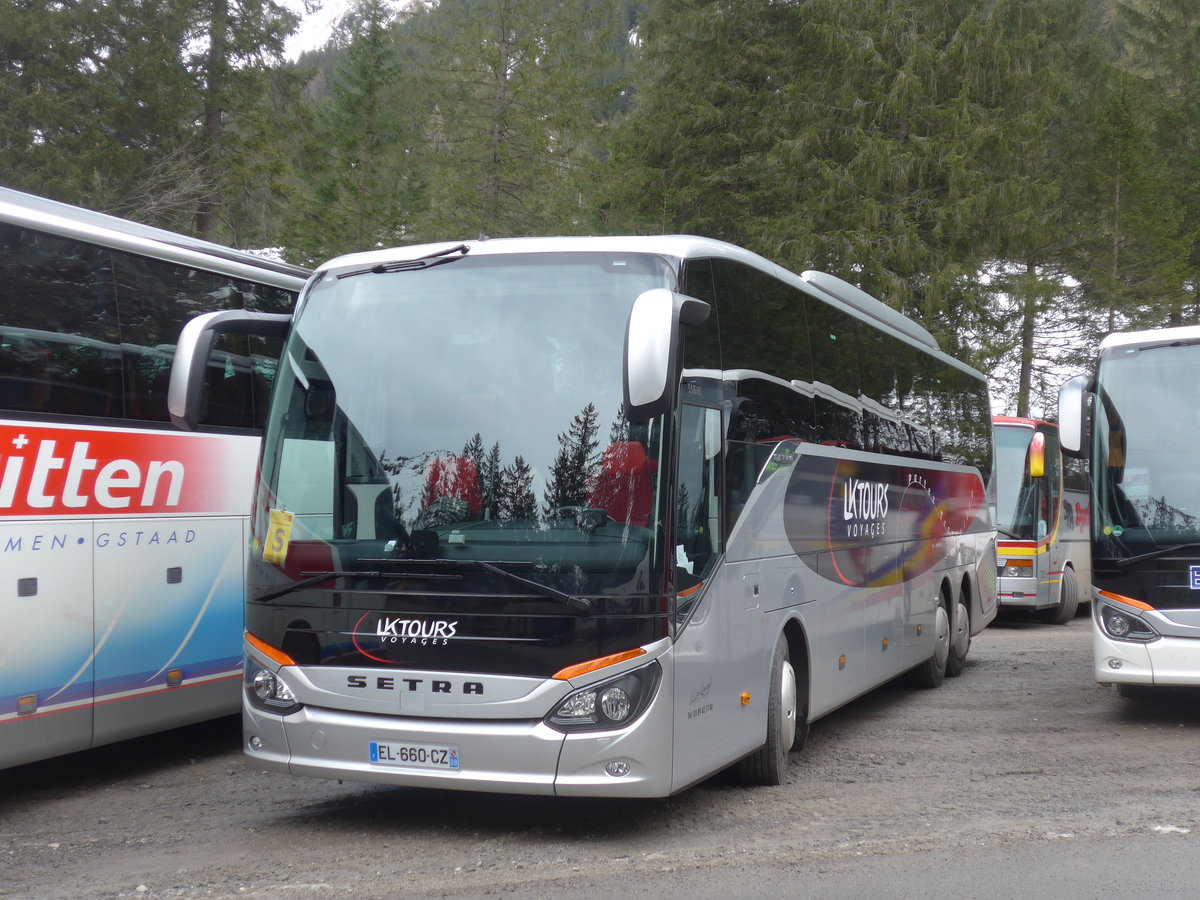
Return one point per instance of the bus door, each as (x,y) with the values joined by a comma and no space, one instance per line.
(1050,570)
(46,643)
(717,610)
(169,594)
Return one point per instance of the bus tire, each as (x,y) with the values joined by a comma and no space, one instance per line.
(960,639)
(1068,601)
(768,764)
(932,672)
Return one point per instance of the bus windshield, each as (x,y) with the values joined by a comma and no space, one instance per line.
(1144,440)
(469,411)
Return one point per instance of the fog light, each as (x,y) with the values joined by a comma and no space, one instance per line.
(617,768)
(255,742)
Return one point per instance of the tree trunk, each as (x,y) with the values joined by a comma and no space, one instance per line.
(1028,316)
(211,123)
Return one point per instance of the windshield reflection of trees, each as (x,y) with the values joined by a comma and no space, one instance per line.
(595,511)
(583,481)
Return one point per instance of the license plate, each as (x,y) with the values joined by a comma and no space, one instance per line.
(424,756)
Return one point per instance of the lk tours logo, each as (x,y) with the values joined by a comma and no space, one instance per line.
(864,508)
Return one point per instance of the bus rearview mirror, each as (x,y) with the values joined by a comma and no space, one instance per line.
(185,394)
(652,341)
(1072,407)
(1037,456)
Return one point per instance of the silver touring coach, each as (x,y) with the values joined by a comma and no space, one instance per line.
(597,516)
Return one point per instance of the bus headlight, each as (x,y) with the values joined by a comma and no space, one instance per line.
(267,691)
(609,704)
(1123,625)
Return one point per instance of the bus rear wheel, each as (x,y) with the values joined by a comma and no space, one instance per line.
(1068,601)
(960,639)
(787,723)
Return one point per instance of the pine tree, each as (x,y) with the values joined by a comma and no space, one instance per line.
(1161,40)
(516,500)
(1034,57)
(94,105)
(516,89)
(491,482)
(100,103)
(241,39)
(356,186)
(574,464)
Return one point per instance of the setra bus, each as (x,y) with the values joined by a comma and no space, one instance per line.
(1042,510)
(122,544)
(598,516)
(1134,421)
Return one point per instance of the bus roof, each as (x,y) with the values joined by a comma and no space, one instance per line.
(1151,336)
(65,220)
(678,246)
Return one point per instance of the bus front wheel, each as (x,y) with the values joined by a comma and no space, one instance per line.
(932,672)
(768,764)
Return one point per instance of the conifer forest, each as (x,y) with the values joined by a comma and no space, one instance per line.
(1019,176)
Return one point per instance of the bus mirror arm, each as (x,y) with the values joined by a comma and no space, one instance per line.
(652,342)
(192,353)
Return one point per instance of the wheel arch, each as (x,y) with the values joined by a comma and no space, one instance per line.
(801,659)
(967,587)
(946,593)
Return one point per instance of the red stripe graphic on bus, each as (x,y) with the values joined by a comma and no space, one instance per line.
(65,471)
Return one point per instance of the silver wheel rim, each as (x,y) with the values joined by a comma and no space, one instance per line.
(941,630)
(787,705)
(962,632)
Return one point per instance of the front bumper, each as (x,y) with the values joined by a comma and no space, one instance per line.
(1166,661)
(1027,593)
(502,756)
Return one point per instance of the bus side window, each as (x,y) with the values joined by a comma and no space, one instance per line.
(697,517)
(833,340)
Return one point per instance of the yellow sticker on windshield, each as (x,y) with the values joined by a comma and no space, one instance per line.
(279,535)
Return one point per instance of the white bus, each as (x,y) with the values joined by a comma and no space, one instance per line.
(1135,421)
(122,545)
(1042,555)
(599,516)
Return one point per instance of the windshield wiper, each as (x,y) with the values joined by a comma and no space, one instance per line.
(579,604)
(1008,534)
(408,265)
(309,579)
(1126,561)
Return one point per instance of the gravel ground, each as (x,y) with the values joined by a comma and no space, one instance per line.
(1022,750)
